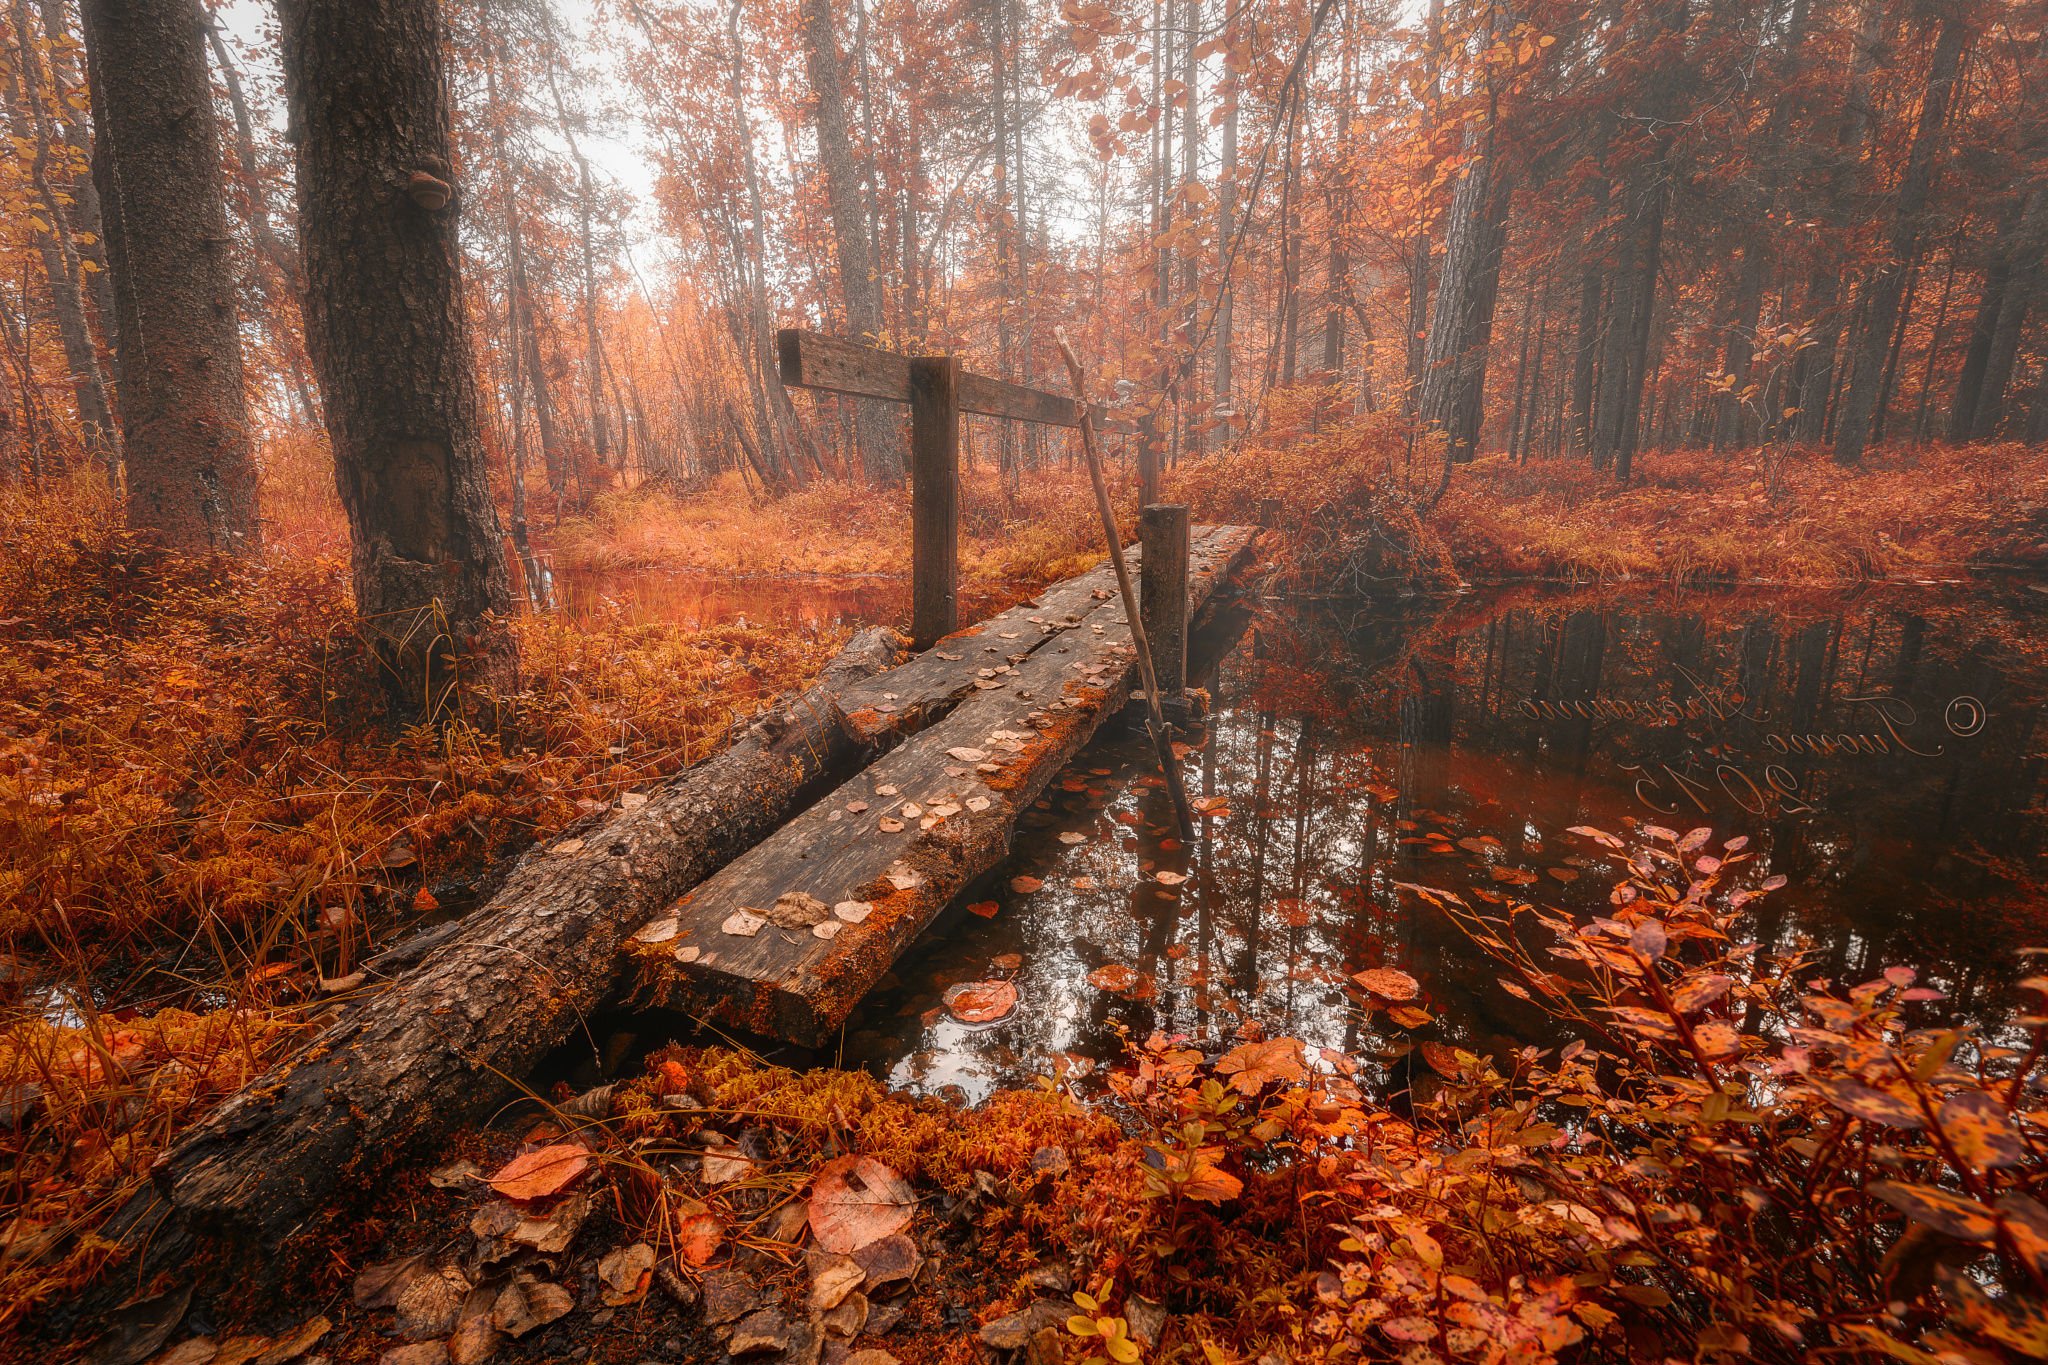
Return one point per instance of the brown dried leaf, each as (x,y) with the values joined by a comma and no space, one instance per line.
(540,1174)
(856,1200)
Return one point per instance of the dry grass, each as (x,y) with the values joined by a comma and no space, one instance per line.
(1043,529)
(205,816)
(1700,515)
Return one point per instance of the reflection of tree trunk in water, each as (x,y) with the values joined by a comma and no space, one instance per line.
(1262,808)
(1205,880)
(1304,799)
(1582,654)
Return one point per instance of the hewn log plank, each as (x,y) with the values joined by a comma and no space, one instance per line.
(902,839)
(810,360)
(910,697)
(442,1046)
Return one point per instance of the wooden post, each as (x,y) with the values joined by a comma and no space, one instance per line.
(1163,572)
(1148,461)
(1269,513)
(934,499)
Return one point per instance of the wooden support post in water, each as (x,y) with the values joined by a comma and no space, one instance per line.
(1155,720)
(1163,574)
(934,499)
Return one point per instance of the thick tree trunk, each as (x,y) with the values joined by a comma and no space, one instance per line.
(390,339)
(881,461)
(1461,324)
(2024,265)
(475,1006)
(1887,286)
(184,418)
(86,217)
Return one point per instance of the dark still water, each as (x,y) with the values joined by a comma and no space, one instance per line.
(1883,751)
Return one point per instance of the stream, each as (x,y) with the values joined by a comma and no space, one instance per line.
(1882,750)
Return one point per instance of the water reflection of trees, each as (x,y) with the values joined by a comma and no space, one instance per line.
(1355,752)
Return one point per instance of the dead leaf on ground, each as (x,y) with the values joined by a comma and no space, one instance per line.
(540,1174)
(627,1272)
(856,1200)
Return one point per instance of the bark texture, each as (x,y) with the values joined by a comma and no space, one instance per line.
(156,160)
(484,1004)
(389,338)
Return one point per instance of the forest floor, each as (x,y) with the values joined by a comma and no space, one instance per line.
(209,825)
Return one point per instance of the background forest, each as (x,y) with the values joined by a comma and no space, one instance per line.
(1573,233)
(398,485)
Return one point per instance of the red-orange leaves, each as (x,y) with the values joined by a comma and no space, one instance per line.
(1253,1066)
(1388,983)
(981,1002)
(541,1173)
(1977,1127)
(1865,1102)
(1950,1214)
(857,1200)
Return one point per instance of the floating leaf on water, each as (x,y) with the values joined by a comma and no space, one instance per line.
(542,1173)
(1069,836)
(1084,883)
(856,1200)
(1169,878)
(985,909)
(742,924)
(1409,1016)
(1024,886)
(1598,836)
(1563,874)
(853,912)
(1113,976)
(1513,876)
(981,1002)
(1388,983)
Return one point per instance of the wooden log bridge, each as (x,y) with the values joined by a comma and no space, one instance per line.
(786,939)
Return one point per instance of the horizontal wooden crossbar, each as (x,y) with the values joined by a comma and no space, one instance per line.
(809,360)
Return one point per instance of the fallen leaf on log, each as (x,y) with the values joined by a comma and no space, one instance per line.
(904,877)
(966,755)
(889,824)
(856,1200)
(978,804)
(981,1002)
(689,952)
(797,910)
(742,924)
(827,929)
(658,931)
(853,912)
(885,791)
(856,807)
(567,846)
(539,1174)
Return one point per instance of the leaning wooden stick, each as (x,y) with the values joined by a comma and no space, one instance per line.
(1155,718)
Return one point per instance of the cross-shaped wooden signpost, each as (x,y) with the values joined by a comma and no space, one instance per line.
(938,391)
